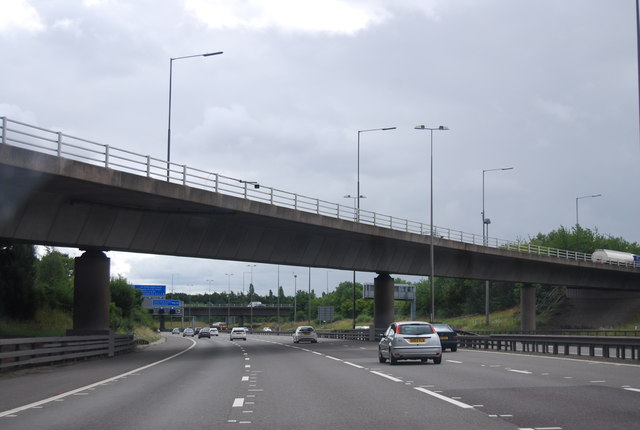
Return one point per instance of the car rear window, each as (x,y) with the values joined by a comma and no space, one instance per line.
(415,329)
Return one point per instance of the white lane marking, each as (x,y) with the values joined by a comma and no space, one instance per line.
(238,402)
(317,353)
(60,397)
(245,378)
(632,389)
(353,364)
(526,372)
(445,398)
(454,361)
(597,382)
(246,366)
(333,358)
(386,376)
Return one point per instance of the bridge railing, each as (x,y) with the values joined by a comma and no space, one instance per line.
(67,146)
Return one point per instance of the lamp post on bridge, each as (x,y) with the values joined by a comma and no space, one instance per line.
(431,284)
(485,239)
(171,60)
(579,198)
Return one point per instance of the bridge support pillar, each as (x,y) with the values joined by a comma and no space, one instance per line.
(383,303)
(91,295)
(528,307)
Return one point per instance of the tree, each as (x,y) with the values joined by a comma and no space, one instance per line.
(18,296)
(54,280)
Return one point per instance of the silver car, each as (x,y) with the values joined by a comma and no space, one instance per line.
(410,340)
(238,333)
(305,333)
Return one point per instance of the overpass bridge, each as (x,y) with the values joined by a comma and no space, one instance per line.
(61,190)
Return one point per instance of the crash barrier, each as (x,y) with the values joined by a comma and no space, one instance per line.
(621,347)
(369,334)
(24,352)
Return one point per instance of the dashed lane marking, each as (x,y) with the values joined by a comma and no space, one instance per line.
(391,378)
(445,398)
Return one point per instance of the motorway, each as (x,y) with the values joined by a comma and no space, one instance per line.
(267,382)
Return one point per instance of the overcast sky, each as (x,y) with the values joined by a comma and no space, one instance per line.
(547,87)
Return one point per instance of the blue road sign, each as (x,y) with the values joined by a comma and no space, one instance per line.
(152,290)
(165,303)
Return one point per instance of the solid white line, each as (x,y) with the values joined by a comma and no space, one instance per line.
(633,389)
(386,376)
(445,398)
(61,397)
(238,402)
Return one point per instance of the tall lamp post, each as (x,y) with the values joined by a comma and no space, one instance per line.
(209,281)
(485,237)
(228,275)
(358,197)
(295,297)
(251,266)
(171,60)
(579,198)
(431,285)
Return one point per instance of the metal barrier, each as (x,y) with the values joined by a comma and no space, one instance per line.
(622,347)
(66,146)
(23,352)
(368,335)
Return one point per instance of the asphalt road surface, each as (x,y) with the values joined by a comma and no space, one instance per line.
(267,382)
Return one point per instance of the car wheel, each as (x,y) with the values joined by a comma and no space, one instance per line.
(392,360)
(381,358)
(454,348)
(437,360)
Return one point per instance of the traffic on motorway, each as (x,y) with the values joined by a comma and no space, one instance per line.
(283,382)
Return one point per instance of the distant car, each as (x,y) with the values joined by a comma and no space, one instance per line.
(188,332)
(255,305)
(175,331)
(204,332)
(266,329)
(213,331)
(410,340)
(197,330)
(448,336)
(238,333)
(305,333)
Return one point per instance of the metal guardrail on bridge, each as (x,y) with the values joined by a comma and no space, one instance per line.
(66,146)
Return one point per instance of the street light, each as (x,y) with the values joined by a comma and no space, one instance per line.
(251,266)
(485,239)
(431,285)
(209,281)
(583,197)
(229,275)
(209,54)
(295,298)
(358,197)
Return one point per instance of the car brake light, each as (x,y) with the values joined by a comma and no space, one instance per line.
(433,330)
(397,329)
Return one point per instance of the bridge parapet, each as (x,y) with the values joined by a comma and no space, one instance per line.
(62,145)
